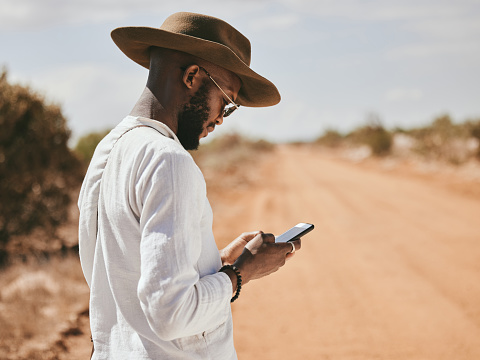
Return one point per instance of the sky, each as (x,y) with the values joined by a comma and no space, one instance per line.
(336,63)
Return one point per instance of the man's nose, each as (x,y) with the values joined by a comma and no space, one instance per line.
(219,119)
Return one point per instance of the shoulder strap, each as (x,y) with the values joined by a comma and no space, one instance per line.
(128,130)
(115,143)
(98,206)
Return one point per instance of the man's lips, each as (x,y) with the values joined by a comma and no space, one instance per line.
(210,128)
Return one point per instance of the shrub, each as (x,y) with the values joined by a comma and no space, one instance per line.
(374,136)
(443,140)
(86,146)
(37,169)
(227,152)
(330,138)
(474,130)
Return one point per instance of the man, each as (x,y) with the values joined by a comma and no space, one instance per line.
(160,289)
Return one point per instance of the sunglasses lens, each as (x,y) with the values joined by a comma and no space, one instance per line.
(229,110)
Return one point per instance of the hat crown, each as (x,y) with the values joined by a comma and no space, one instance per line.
(211,29)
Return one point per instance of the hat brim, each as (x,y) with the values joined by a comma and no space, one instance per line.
(135,42)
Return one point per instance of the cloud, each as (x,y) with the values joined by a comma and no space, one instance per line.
(468,49)
(449,27)
(452,33)
(378,10)
(93,96)
(436,27)
(22,14)
(274,22)
(34,14)
(403,94)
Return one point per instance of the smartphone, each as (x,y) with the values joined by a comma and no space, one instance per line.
(295,232)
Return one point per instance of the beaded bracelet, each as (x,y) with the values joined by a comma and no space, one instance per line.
(239,280)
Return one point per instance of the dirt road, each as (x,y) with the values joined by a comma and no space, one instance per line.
(391,271)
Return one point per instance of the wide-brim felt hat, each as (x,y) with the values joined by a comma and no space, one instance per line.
(208,38)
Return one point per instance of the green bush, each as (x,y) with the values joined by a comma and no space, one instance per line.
(86,145)
(37,169)
(374,136)
(330,138)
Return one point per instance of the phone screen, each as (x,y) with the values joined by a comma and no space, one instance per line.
(295,232)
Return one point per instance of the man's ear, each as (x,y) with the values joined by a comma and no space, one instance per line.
(191,76)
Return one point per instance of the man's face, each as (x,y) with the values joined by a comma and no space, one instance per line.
(194,118)
(205,109)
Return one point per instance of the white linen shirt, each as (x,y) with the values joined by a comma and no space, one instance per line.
(152,269)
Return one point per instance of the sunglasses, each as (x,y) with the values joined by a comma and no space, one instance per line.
(231,107)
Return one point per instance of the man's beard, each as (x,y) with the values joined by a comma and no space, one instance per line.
(192,118)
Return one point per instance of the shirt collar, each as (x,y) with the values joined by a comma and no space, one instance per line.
(159,126)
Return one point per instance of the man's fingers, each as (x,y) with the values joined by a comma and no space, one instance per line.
(247,236)
(268,238)
(294,245)
(297,243)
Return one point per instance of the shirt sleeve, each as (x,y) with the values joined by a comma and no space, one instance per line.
(177,302)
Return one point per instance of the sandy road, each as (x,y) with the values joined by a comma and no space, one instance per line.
(392,270)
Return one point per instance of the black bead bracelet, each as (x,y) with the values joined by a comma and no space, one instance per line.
(239,280)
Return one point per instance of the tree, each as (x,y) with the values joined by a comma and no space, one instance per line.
(37,169)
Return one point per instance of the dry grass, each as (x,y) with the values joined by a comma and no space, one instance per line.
(39,304)
(228,157)
(44,301)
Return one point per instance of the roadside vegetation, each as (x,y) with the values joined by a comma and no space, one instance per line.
(442,140)
(226,153)
(224,159)
(41,284)
(222,156)
(86,145)
(38,171)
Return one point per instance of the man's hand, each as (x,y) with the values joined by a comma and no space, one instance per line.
(233,250)
(261,256)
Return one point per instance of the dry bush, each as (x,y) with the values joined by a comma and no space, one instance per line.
(442,140)
(372,136)
(225,154)
(473,129)
(37,168)
(445,140)
(229,161)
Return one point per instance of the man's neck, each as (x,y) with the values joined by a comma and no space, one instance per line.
(149,107)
